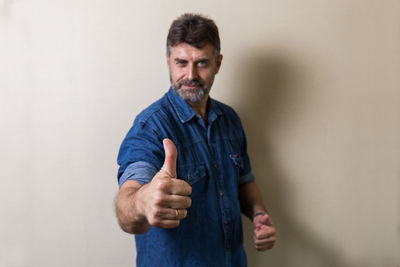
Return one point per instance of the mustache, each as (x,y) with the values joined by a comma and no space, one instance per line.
(194,82)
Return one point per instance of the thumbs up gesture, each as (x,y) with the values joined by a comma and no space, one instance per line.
(264,232)
(165,199)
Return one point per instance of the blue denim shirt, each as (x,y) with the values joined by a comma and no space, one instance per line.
(213,160)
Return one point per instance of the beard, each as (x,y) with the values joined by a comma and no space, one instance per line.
(191,95)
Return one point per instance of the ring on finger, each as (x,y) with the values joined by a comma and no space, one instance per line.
(176,213)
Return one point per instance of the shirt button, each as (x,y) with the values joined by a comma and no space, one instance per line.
(226,222)
(221,193)
(190,178)
(216,165)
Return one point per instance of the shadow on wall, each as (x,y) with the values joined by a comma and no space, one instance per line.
(272,84)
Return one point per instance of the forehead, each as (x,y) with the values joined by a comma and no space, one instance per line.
(186,51)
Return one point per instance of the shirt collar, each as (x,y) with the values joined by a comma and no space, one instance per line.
(186,113)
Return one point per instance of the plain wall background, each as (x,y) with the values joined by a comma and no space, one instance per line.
(316,84)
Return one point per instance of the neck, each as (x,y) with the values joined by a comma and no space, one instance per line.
(201,108)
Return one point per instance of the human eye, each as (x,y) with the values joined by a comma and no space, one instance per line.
(180,62)
(202,63)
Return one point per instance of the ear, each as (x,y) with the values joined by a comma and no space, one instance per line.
(219,61)
(167,58)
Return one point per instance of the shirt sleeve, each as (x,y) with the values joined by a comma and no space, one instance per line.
(141,154)
(140,171)
(246,178)
(246,175)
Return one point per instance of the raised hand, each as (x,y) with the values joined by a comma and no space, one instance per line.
(165,199)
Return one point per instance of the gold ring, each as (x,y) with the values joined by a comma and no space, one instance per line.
(176,213)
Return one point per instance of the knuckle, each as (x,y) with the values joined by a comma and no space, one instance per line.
(158,199)
(157,212)
(152,221)
(152,212)
(189,189)
(189,203)
(173,224)
(163,184)
(184,213)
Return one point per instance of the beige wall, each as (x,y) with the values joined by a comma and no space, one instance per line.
(315,82)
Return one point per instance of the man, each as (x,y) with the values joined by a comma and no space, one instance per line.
(184,171)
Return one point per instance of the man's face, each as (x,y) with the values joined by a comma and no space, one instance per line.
(192,71)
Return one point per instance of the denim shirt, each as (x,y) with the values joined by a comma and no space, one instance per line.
(213,160)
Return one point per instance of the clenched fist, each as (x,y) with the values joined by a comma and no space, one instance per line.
(264,233)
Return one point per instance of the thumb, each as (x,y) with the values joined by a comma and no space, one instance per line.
(262,220)
(171,155)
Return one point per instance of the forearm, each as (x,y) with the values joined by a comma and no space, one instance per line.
(130,218)
(250,200)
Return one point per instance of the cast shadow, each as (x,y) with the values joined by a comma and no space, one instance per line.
(270,86)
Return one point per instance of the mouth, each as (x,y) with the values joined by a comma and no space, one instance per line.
(190,87)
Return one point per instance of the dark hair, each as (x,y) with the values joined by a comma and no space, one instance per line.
(193,29)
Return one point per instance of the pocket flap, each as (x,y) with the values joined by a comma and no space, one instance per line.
(194,174)
(237,160)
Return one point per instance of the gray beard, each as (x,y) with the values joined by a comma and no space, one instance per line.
(193,96)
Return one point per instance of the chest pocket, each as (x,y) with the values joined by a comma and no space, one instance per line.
(195,175)
(237,160)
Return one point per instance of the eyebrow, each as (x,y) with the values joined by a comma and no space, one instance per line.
(180,60)
(202,59)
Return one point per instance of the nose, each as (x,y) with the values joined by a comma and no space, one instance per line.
(192,72)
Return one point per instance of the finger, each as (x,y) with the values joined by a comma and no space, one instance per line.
(264,247)
(182,214)
(169,186)
(180,187)
(167,224)
(171,214)
(176,202)
(262,220)
(264,232)
(263,242)
(171,155)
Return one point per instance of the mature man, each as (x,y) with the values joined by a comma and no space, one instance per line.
(184,171)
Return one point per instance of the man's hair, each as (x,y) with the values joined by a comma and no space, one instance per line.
(195,30)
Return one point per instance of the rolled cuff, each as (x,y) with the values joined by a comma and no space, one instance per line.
(246,178)
(140,171)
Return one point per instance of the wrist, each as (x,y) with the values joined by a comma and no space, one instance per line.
(138,206)
(260,213)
